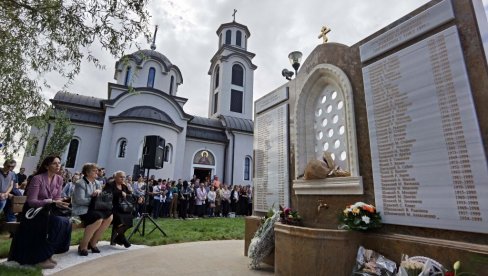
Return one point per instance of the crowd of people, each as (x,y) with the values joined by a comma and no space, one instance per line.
(54,195)
(189,199)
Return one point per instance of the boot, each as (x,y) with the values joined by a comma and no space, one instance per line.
(118,240)
(121,240)
(113,237)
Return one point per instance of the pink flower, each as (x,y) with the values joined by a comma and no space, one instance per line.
(287,211)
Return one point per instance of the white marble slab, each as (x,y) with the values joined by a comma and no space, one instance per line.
(271,181)
(271,99)
(413,27)
(428,160)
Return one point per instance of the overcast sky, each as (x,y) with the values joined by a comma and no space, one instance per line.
(187,38)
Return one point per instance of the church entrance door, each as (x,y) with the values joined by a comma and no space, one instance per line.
(203,173)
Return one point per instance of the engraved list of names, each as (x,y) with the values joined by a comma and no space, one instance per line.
(429,165)
(271,159)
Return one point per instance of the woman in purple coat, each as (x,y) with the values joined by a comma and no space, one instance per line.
(40,234)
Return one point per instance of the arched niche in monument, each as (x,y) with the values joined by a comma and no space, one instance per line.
(324,116)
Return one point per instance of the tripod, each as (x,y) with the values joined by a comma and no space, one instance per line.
(145,215)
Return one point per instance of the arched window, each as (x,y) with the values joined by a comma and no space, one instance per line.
(217,76)
(150,77)
(128,76)
(139,152)
(237,75)
(168,152)
(325,107)
(228,37)
(238,38)
(216,102)
(72,152)
(171,85)
(33,148)
(121,148)
(237,94)
(247,168)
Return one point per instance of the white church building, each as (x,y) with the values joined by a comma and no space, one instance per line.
(110,131)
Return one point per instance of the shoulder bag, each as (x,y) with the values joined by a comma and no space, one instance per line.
(60,212)
(126,205)
(103,202)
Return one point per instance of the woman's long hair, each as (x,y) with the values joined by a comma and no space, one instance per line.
(42,169)
(45,163)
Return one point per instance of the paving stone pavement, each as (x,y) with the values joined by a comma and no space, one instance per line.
(195,258)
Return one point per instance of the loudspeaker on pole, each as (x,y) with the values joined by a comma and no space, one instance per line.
(153,152)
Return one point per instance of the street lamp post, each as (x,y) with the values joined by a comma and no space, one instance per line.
(295,58)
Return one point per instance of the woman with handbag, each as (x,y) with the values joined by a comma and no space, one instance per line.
(41,233)
(96,220)
(122,211)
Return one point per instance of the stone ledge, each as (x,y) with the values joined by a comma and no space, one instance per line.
(352,185)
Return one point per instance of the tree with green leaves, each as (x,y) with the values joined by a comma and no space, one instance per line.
(62,133)
(44,36)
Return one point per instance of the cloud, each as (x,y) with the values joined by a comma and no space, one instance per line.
(187,37)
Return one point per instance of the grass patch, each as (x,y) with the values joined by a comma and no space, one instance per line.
(178,231)
(16,271)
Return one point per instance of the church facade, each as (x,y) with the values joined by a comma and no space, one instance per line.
(143,101)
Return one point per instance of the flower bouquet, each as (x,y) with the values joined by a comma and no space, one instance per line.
(360,216)
(262,244)
(289,216)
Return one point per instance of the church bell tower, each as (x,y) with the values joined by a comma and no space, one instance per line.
(232,73)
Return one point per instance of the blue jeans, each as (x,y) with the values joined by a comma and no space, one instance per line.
(8,211)
(2,204)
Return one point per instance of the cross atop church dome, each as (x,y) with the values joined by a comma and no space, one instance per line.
(153,45)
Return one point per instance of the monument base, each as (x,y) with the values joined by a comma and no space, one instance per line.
(310,251)
(351,185)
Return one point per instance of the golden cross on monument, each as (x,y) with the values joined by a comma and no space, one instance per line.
(323,33)
(234,15)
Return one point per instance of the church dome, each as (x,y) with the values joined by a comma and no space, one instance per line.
(141,55)
(148,68)
(145,113)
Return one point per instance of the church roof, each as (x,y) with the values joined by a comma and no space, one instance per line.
(235,123)
(208,122)
(146,113)
(140,55)
(206,134)
(71,98)
(82,116)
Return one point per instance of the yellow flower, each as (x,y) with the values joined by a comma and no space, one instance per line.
(346,211)
(355,210)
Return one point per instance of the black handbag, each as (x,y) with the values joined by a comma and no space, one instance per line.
(125,205)
(60,212)
(103,202)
